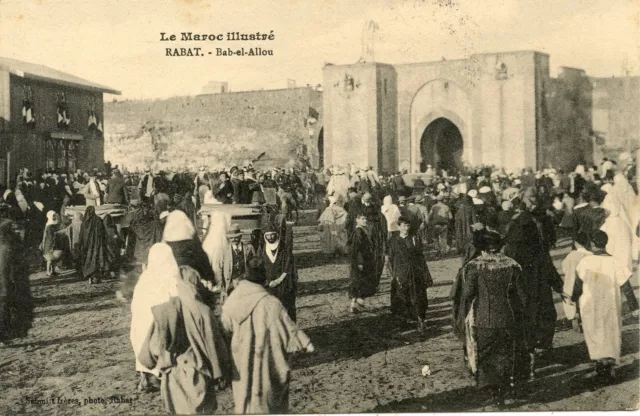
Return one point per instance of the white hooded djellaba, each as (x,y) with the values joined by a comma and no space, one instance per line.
(332,226)
(618,229)
(601,304)
(156,285)
(218,248)
(338,186)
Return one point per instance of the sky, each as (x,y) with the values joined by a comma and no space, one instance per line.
(117,43)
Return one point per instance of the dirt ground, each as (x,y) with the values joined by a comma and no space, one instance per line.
(77,358)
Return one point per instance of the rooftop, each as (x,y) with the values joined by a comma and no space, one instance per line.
(44,73)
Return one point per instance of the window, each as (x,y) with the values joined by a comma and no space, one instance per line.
(50,150)
(61,155)
(72,153)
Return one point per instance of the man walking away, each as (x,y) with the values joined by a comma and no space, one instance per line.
(440,216)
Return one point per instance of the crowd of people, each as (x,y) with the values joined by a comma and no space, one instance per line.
(504,226)
(211,308)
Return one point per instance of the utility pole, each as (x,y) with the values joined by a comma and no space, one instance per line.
(368,40)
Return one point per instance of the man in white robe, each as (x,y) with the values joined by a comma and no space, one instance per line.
(332,227)
(598,284)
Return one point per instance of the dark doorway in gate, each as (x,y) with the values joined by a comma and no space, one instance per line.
(441,146)
(321,148)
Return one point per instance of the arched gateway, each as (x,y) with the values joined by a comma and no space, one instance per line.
(485,110)
(440,127)
(441,146)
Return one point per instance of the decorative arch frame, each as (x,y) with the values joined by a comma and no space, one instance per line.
(459,115)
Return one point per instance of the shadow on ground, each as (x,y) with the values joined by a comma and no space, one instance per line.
(363,337)
(561,375)
(69,339)
(309,259)
(66,311)
(72,298)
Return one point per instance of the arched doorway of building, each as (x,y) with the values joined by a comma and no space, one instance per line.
(321,148)
(441,146)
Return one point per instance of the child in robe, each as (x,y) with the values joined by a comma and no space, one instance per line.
(569,265)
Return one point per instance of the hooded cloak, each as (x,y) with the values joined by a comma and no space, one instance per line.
(332,226)
(156,285)
(147,229)
(262,337)
(465,216)
(93,244)
(282,261)
(114,242)
(186,345)
(524,244)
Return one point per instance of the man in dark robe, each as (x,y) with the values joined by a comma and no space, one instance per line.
(239,187)
(241,253)
(116,190)
(398,186)
(465,216)
(363,273)
(411,275)
(16,304)
(114,245)
(146,185)
(589,216)
(410,215)
(545,221)
(504,217)
(254,190)
(146,230)
(225,190)
(187,206)
(576,185)
(491,317)
(94,259)
(524,245)
(472,250)
(279,263)
(352,206)
(268,181)
(377,224)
